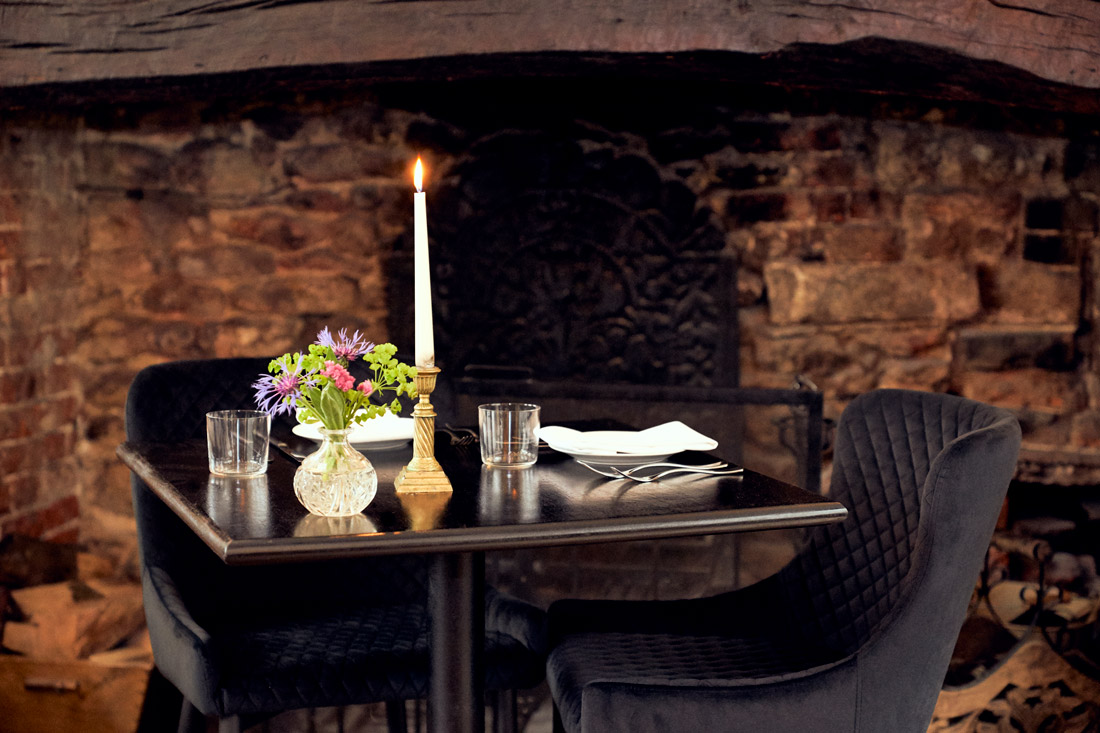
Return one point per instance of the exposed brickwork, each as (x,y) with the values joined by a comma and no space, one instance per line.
(54,521)
(40,390)
(1031,292)
(805,292)
(222,240)
(881,249)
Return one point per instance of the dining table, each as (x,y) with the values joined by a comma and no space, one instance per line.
(556,502)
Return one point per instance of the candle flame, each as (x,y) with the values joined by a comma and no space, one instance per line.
(418,175)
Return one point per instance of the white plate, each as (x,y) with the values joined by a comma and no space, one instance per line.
(625,447)
(387,432)
(616,459)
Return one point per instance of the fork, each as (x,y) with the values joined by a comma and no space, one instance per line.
(619,473)
(458,439)
(692,469)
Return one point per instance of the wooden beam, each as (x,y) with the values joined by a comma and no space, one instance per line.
(90,40)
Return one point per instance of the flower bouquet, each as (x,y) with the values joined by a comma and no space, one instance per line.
(316,387)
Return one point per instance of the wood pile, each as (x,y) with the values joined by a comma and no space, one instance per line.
(75,651)
(1020,664)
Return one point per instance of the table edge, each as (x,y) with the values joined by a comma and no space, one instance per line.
(459,540)
(217,541)
(578,532)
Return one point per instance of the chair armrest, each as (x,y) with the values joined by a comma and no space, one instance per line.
(817,700)
(182,648)
(521,620)
(168,595)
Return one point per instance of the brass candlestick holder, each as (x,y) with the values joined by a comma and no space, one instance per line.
(423,472)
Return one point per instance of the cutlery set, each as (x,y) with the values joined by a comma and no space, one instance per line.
(639,473)
(459,436)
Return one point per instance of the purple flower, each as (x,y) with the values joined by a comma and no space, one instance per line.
(344,347)
(278,393)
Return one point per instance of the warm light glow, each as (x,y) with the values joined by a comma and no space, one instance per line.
(418,175)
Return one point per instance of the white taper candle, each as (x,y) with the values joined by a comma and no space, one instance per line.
(425,340)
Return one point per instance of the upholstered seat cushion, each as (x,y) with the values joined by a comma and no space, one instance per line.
(639,665)
(346,656)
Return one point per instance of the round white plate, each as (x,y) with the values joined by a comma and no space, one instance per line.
(605,458)
(619,460)
(625,447)
(387,432)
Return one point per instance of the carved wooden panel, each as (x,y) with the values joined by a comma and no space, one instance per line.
(578,258)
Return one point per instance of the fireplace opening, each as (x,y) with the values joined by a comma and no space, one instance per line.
(734,234)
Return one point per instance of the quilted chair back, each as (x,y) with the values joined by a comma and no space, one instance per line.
(169,402)
(923,476)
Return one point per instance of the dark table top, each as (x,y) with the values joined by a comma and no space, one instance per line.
(556,502)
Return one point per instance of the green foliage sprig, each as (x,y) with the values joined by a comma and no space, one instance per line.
(318,386)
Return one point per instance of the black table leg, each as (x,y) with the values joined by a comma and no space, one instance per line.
(458,641)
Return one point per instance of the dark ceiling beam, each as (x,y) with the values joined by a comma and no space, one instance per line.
(1028,52)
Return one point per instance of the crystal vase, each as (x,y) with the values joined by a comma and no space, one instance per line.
(336,480)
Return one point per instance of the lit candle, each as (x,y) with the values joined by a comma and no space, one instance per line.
(422,292)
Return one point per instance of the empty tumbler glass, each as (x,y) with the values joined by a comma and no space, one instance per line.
(509,434)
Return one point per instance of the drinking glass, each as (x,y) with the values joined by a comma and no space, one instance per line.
(236,442)
(509,434)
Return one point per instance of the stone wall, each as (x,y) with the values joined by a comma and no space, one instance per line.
(214,239)
(902,245)
(937,257)
(925,256)
(123,245)
(41,390)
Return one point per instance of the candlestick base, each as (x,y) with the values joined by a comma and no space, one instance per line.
(410,481)
(423,474)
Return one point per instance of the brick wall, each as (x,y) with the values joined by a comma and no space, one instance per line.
(886,247)
(40,387)
(125,245)
(907,253)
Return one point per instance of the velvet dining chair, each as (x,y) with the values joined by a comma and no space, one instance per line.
(854,634)
(242,644)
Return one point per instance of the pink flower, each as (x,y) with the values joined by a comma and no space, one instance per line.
(339,375)
(366,387)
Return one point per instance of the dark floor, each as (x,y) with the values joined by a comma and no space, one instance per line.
(372,719)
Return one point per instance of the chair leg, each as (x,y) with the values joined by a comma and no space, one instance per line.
(395,716)
(511,714)
(232,724)
(161,699)
(559,727)
(505,707)
(492,705)
(191,720)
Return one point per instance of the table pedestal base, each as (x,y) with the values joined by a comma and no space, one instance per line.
(457,600)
